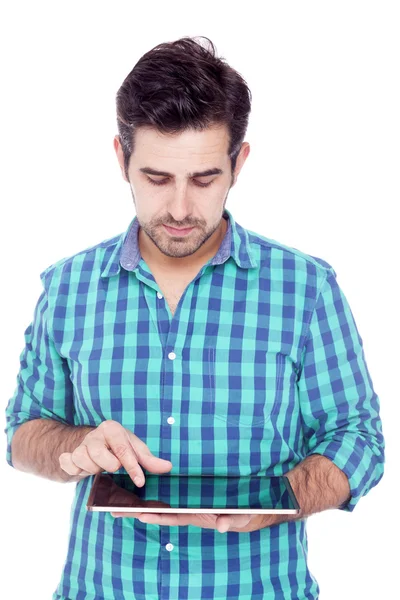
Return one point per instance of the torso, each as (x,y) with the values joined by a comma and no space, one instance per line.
(173,287)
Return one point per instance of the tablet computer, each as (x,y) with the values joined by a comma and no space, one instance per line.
(254,494)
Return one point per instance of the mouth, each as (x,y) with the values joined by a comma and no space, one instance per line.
(178,232)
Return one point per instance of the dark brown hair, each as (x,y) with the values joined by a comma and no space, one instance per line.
(182,85)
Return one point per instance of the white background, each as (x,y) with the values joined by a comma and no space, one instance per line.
(322,177)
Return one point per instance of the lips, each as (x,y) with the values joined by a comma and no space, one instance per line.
(179,228)
(178,232)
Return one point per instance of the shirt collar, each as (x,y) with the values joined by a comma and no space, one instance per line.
(235,244)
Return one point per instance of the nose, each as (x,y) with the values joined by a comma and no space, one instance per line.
(180,207)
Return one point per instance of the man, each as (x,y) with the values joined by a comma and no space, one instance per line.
(191,345)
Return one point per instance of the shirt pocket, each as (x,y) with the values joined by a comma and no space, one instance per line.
(244,392)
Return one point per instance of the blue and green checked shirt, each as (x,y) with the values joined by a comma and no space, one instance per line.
(260,366)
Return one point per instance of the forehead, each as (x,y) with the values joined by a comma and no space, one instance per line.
(185,147)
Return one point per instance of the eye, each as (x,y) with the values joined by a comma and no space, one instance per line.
(164,181)
(154,182)
(202,184)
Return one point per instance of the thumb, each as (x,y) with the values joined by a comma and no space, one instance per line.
(225,522)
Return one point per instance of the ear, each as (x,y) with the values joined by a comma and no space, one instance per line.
(243,154)
(120,155)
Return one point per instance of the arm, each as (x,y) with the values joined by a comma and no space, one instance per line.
(339,408)
(41,420)
(318,485)
(37,445)
(338,404)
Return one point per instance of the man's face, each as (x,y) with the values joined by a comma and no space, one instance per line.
(179,197)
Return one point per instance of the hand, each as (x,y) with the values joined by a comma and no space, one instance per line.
(107,448)
(222,523)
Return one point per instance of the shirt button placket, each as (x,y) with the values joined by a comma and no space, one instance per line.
(170,420)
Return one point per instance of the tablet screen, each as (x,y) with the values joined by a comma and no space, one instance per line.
(187,493)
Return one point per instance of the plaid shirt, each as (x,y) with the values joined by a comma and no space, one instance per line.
(261,366)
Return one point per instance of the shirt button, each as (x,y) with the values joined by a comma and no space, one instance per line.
(169,547)
(171,420)
(172,355)
(159,295)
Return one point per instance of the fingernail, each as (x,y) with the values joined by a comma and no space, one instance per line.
(137,480)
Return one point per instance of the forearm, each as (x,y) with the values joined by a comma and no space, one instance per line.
(318,485)
(37,445)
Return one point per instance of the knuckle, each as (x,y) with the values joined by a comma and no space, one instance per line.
(79,451)
(94,451)
(67,465)
(109,425)
(120,450)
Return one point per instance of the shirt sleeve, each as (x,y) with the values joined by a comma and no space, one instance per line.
(339,407)
(44,389)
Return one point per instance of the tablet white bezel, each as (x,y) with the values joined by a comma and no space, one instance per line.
(215,511)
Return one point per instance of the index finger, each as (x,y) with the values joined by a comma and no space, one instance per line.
(121,447)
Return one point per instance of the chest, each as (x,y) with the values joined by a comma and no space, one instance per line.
(231,374)
(173,287)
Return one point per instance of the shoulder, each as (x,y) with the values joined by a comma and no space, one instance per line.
(88,259)
(287,256)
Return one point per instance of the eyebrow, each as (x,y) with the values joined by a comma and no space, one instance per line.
(151,171)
